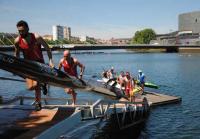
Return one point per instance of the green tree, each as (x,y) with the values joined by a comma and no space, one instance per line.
(144,36)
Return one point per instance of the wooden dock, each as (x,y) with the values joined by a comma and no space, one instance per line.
(157,99)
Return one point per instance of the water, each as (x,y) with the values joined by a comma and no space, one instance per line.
(177,74)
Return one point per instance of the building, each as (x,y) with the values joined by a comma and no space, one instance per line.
(189,28)
(57,32)
(87,38)
(48,37)
(189,22)
(82,38)
(120,41)
(61,32)
(188,31)
(67,33)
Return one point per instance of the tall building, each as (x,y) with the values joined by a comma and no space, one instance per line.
(67,33)
(189,22)
(61,32)
(57,32)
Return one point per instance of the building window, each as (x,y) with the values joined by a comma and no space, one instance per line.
(196,20)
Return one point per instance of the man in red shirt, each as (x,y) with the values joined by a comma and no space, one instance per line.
(69,65)
(30,44)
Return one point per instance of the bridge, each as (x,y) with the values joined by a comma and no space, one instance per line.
(138,47)
(142,47)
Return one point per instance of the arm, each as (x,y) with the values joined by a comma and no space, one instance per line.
(45,45)
(60,64)
(81,66)
(17,50)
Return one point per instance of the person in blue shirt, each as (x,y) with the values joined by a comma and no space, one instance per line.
(141,79)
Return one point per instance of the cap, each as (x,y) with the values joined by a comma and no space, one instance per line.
(139,70)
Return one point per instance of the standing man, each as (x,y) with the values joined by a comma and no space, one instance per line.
(69,65)
(121,80)
(141,79)
(129,85)
(30,44)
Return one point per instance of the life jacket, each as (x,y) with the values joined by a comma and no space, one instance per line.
(141,78)
(31,50)
(70,69)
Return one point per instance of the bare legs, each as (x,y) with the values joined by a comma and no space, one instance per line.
(73,94)
(33,85)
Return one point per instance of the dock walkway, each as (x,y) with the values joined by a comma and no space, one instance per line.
(157,99)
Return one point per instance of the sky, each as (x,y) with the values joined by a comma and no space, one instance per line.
(102,19)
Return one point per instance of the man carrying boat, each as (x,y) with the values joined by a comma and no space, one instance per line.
(69,65)
(30,44)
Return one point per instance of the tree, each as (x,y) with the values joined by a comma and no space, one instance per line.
(144,36)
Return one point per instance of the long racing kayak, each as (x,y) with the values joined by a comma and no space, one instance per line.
(38,71)
(45,74)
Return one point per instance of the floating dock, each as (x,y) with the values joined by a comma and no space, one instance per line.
(21,121)
(157,99)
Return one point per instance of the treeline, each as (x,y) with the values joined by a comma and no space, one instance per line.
(71,41)
(144,36)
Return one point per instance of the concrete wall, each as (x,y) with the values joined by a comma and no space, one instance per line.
(189,22)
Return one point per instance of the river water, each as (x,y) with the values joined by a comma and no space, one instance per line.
(176,74)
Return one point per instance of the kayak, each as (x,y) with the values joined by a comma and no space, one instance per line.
(149,84)
(38,71)
(43,73)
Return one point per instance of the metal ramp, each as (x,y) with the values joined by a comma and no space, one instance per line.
(124,114)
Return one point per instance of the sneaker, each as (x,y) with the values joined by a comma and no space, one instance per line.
(44,88)
(38,106)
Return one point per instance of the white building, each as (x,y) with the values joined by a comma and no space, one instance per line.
(61,32)
(82,38)
(57,32)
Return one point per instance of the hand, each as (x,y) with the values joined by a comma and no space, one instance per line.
(81,76)
(51,63)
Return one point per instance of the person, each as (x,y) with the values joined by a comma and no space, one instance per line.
(111,73)
(30,44)
(69,65)
(141,79)
(135,92)
(129,85)
(121,80)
